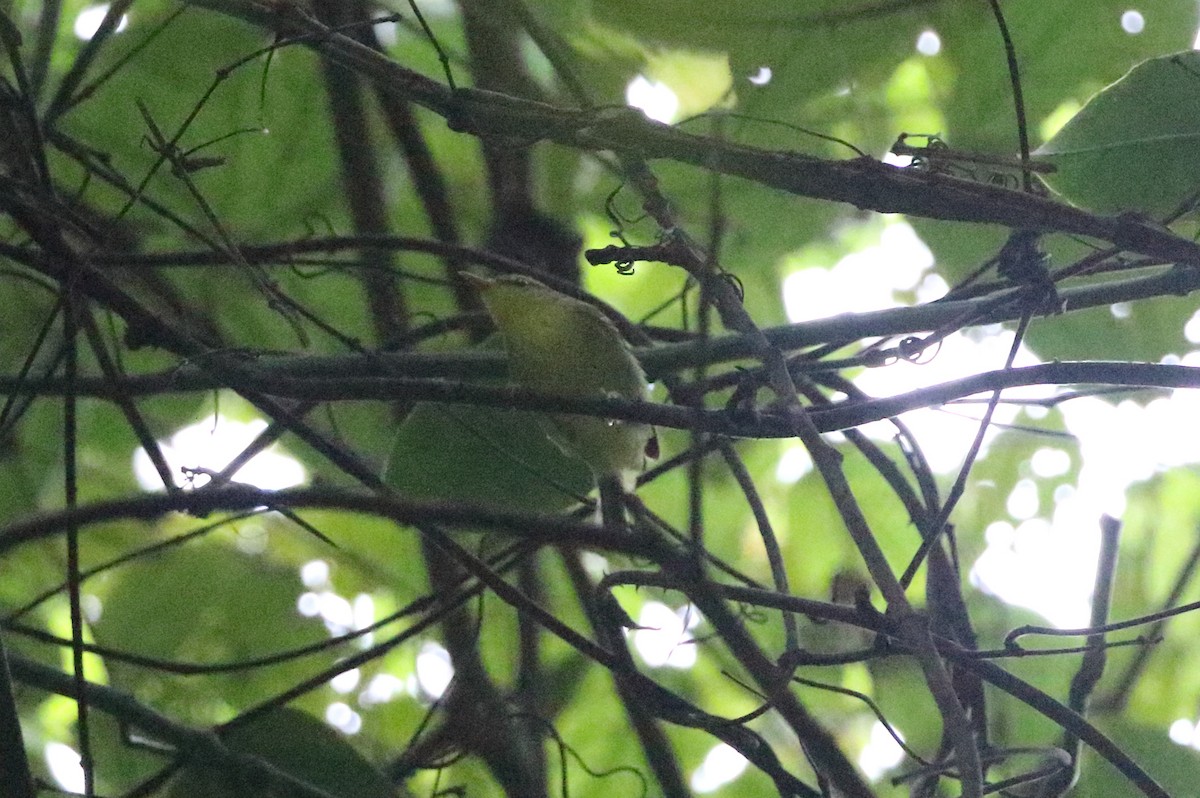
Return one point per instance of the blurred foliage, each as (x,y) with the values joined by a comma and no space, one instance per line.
(844,70)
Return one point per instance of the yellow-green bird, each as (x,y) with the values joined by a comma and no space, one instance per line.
(562,346)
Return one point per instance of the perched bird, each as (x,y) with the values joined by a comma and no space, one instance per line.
(561,346)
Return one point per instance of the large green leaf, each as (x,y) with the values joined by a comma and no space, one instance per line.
(1141,331)
(485,455)
(206,603)
(811,48)
(1174,767)
(170,77)
(1133,147)
(1065,51)
(297,744)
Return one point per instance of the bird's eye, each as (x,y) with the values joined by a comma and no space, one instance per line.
(652,450)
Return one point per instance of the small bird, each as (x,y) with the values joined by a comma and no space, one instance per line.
(561,346)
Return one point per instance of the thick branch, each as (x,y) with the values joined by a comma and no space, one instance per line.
(198,745)
(863,182)
(235,497)
(283,379)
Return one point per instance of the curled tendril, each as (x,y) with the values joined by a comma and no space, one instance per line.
(752,614)
(617,218)
(912,348)
(735,282)
(310,227)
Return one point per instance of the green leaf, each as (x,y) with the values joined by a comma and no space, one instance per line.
(1065,51)
(119,765)
(1173,766)
(1133,147)
(1141,331)
(811,47)
(170,76)
(486,455)
(699,80)
(299,745)
(206,603)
